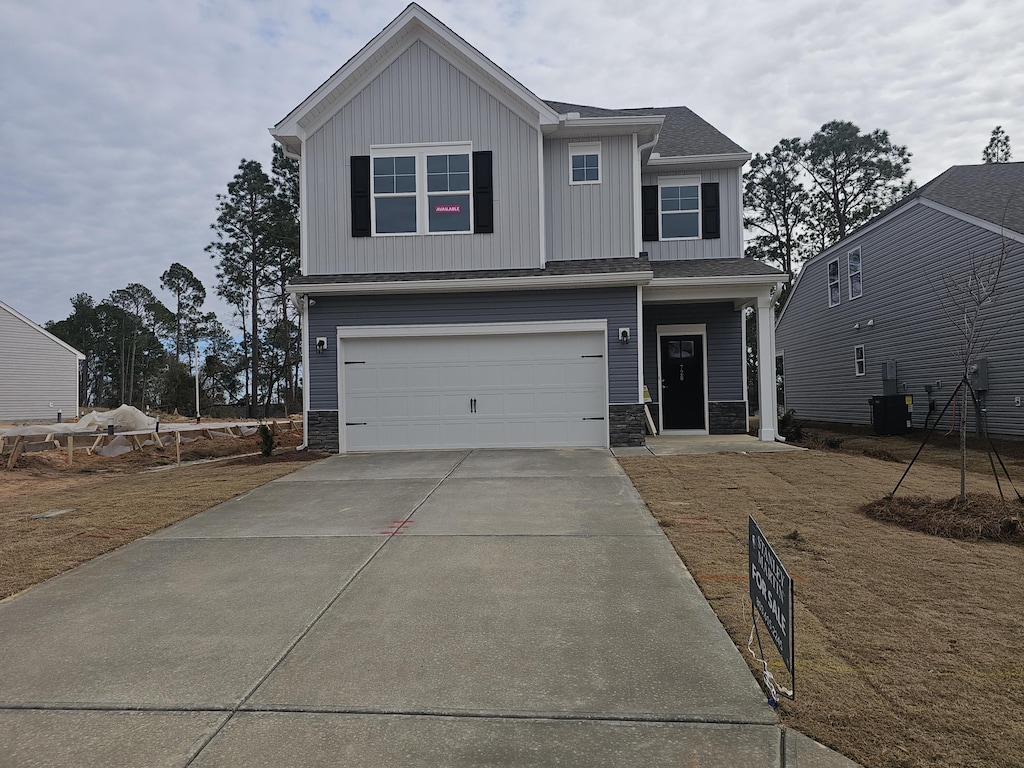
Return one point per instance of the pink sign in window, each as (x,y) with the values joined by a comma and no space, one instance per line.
(447,209)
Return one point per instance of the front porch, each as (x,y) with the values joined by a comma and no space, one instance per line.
(694,346)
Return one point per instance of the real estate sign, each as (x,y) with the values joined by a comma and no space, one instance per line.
(771,592)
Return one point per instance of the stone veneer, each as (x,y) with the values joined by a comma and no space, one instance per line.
(322,430)
(727,418)
(626,424)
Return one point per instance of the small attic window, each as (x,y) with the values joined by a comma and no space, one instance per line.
(585,163)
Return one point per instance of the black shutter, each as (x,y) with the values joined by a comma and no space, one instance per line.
(360,196)
(649,213)
(710,217)
(483,193)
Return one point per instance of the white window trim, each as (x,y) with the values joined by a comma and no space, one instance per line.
(590,148)
(681,181)
(850,273)
(420,152)
(838,283)
(860,366)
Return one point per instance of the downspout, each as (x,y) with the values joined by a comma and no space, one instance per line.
(775,300)
(302,305)
(637,222)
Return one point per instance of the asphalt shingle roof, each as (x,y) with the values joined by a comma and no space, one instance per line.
(577,267)
(712,268)
(684,133)
(993,192)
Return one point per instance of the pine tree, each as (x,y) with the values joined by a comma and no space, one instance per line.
(244,249)
(998,149)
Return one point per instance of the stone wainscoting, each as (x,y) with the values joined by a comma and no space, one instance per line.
(626,424)
(727,418)
(322,430)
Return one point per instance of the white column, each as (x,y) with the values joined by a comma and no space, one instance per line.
(766,394)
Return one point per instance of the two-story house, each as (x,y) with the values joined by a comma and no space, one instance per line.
(882,312)
(483,268)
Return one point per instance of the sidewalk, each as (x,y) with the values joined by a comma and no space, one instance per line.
(483,608)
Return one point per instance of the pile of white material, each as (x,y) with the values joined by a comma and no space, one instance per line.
(125,418)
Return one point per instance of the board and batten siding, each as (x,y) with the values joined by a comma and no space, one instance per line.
(616,305)
(903,264)
(589,221)
(420,98)
(730,197)
(724,346)
(35,370)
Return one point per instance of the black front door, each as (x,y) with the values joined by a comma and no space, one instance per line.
(682,382)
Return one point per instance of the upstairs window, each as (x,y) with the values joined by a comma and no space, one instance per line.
(679,208)
(448,193)
(422,190)
(856,284)
(394,194)
(585,163)
(833,283)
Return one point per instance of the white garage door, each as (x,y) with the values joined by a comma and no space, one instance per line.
(477,391)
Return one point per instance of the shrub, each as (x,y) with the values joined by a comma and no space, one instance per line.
(789,427)
(267,442)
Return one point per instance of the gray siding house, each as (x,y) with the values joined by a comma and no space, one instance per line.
(873,315)
(38,371)
(484,268)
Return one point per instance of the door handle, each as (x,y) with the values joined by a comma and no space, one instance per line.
(472,405)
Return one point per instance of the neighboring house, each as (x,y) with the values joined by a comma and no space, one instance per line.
(484,268)
(872,314)
(38,371)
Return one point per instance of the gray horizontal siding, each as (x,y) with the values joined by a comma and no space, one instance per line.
(34,371)
(589,221)
(617,305)
(730,244)
(422,98)
(903,264)
(724,339)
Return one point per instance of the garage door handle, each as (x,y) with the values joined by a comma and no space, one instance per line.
(593,418)
(472,405)
(355,423)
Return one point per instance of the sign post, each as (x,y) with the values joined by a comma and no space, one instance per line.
(771,594)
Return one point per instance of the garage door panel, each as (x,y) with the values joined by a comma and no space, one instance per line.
(497,390)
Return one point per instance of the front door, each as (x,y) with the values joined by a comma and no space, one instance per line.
(682,382)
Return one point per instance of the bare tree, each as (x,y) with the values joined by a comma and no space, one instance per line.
(968,299)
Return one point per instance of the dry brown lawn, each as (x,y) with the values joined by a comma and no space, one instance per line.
(117,500)
(909,647)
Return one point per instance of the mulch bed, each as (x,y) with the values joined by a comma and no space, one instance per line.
(981,516)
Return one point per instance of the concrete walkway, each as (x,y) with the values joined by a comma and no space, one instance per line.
(674,445)
(475,608)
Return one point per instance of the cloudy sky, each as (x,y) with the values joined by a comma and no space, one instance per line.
(122,119)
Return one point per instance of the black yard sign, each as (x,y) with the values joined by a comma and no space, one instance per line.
(771,592)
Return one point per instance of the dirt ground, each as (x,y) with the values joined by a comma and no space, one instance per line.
(117,500)
(908,645)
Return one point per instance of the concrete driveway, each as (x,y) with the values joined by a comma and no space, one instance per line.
(473,608)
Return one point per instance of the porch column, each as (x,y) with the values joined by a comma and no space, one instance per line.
(766,393)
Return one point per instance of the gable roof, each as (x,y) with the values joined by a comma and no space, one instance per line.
(683,134)
(40,329)
(989,195)
(414,23)
(993,192)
